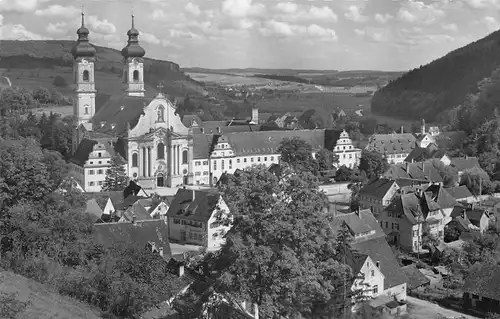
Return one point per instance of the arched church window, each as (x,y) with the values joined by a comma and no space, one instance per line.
(136,75)
(161,114)
(161,151)
(86,110)
(184,157)
(135,160)
(86,75)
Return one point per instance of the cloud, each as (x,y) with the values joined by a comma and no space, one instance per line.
(305,13)
(374,34)
(241,8)
(57,10)
(1,20)
(149,38)
(419,12)
(355,14)
(158,14)
(57,28)
(183,34)
(491,23)
(283,29)
(169,44)
(482,4)
(19,32)
(193,9)
(450,27)
(382,18)
(287,7)
(19,6)
(100,26)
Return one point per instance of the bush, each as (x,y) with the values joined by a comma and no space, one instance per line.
(59,81)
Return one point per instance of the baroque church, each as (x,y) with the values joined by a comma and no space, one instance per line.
(156,147)
(145,132)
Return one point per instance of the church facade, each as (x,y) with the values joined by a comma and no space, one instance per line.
(155,147)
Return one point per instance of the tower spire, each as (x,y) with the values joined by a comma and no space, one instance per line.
(133,23)
(83,17)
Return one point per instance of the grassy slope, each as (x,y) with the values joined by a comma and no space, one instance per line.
(45,304)
(441,84)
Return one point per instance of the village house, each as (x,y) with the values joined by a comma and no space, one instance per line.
(480,218)
(341,145)
(369,240)
(198,217)
(377,195)
(92,208)
(464,163)
(394,147)
(371,279)
(413,217)
(416,280)
(481,289)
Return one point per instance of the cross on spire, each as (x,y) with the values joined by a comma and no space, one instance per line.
(160,87)
(83,14)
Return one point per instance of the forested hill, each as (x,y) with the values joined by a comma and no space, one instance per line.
(43,54)
(440,85)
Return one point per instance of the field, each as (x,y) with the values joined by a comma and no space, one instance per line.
(45,304)
(223,79)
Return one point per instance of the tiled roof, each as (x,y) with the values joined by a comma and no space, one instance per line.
(254,143)
(138,211)
(87,146)
(442,197)
(197,205)
(475,214)
(418,171)
(355,261)
(483,281)
(377,188)
(427,153)
(93,208)
(187,120)
(428,204)
(379,250)
(227,129)
(357,225)
(459,192)
(268,142)
(415,277)
(490,202)
(331,138)
(83,151)
(139,233)
(120,111)
(392,143)
(463,163)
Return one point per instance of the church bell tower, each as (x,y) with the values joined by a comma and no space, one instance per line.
(133,64)
(83,78)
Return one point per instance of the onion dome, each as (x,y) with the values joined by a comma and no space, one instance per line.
(133,49)
(82,47)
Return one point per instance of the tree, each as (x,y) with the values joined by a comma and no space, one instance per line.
(42,95)
(10,307)
(59,81)
(343,174)
(298,154)
(476,180)
(325,159)
(23,175)
(373,164)
(282,252)
(116,178)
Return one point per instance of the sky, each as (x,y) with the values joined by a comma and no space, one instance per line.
(301,34)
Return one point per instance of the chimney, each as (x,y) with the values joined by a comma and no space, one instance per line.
(133,219)
(402,129)
(161,251)
(378,264)
(180,270)
(407,166)
(218,129)
(202,130)
(422,127)
(255,115)
(122,107)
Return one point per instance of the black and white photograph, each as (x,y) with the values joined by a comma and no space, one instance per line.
(250,159)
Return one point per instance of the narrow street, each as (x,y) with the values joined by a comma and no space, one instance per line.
(423,309)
